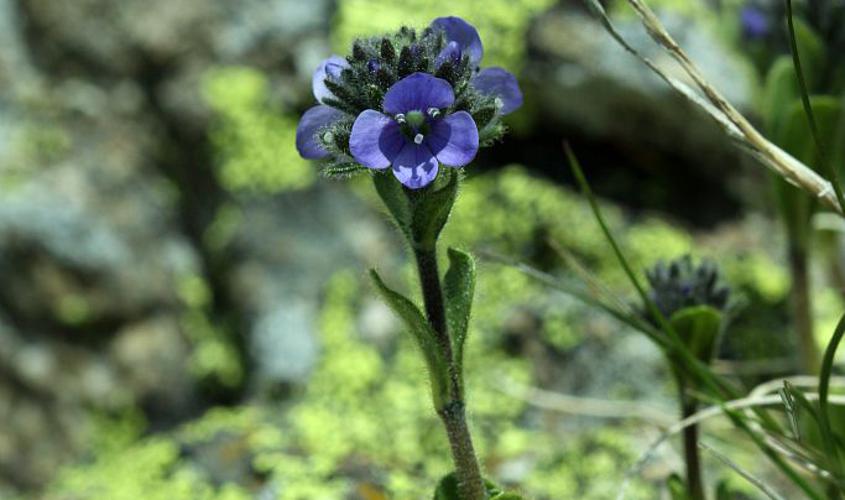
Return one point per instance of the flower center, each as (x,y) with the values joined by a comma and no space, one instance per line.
(415,119)
(416,124)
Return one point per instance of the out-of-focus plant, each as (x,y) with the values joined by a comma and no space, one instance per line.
(801,109)
(694,302)
(684,313)
(400,106)
(786,450)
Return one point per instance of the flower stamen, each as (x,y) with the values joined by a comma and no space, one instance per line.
(433,112)
(400,118)
(418,139)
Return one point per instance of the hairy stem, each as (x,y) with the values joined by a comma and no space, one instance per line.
(470,482)
(453,413)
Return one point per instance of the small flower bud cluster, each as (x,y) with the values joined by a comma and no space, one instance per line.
(680,284)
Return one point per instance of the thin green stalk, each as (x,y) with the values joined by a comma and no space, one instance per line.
(692,459)
(802,307)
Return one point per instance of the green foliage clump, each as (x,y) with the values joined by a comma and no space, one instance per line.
(127,469)
(254,144)
(214,356)
(501,23)
(520,215)
(364,426)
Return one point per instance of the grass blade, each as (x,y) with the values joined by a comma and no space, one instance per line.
(824,394)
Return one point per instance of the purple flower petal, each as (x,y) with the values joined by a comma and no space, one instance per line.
(375,140)
(454,139)
(465,34)
(451,52)
(311,122)
(415,166)
(330,68)
(499,83)
(418,92)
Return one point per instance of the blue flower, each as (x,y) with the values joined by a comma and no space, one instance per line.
(755,23)
(414,133)
(320,116)
(463,39)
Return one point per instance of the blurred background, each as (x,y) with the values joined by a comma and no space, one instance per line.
(184,311)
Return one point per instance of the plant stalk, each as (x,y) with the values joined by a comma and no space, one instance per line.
(802,309)
(453,414)
(695,481)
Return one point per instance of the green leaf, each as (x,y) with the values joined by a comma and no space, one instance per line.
(431,208)
(698,327)
(781,86)
(677,488)
(447,489)
(423,334)
(724,491)
(796,137)
(393,195)
(459,288)
(811,51)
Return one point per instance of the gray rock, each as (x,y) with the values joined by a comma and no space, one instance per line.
(585,81)
(288,260)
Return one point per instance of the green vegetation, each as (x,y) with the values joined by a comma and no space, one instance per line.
(361,425)
(254,143)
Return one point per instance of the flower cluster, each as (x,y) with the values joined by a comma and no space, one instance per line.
(409,102)
(680,284)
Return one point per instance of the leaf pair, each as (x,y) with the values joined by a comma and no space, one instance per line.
(459,288)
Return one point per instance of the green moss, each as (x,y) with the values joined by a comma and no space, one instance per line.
(254,144)
(214,356)
(364,427)
(150,469)
(363,424)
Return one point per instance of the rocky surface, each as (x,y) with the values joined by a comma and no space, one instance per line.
(106,191)
(584,88)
